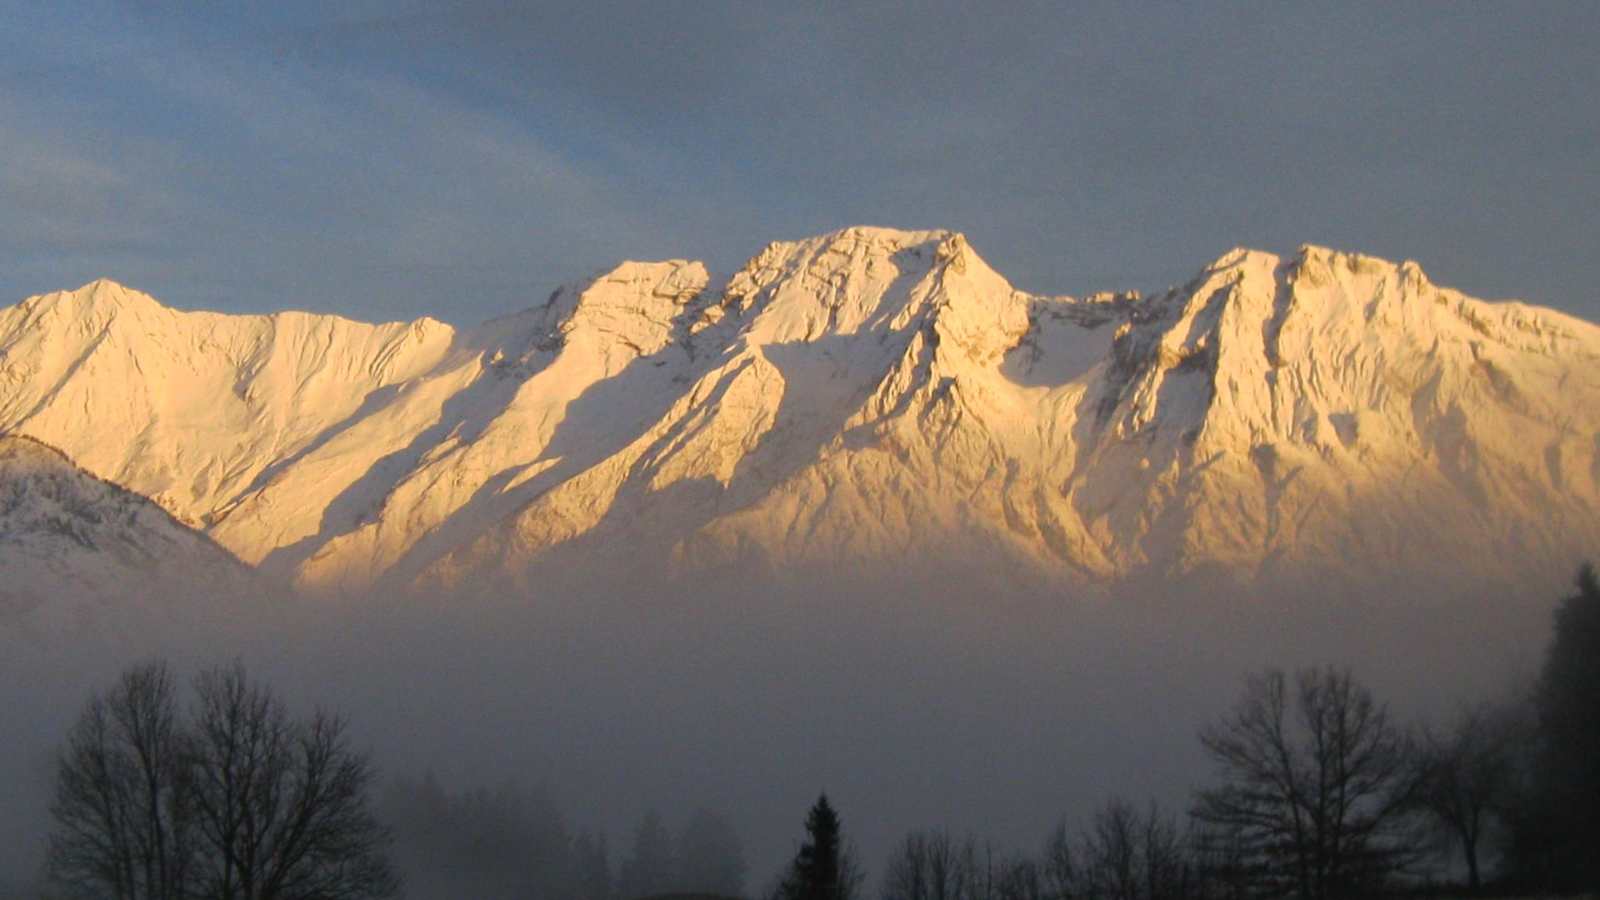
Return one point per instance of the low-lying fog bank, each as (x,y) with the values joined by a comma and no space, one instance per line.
(915,700)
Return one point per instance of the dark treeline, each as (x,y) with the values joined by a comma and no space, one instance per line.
(1316,791)
(510,842)
(1319,793)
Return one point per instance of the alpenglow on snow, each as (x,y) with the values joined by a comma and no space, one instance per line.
(869,396)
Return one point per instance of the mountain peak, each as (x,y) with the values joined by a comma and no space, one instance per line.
(633,310)
(1352,260)
(1242,256)
(897,238)
(104,283)
(1326,262)
(107,291)
(854,242)
(101,295)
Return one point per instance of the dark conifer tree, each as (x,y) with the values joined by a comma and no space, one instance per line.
(822,869)
(1555,834)
(818,859)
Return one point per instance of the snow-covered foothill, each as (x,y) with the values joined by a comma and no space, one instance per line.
(72,545)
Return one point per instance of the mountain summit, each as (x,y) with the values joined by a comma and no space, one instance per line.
(866,397)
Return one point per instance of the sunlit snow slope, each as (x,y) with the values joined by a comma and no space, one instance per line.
(866,397)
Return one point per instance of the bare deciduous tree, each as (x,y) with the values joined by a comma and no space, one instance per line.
(1315,785)
(930,865)
(121,808)
(1059,868)
(1466,774)
(1020,878)
(1126,856)
(282,804)
(239,802)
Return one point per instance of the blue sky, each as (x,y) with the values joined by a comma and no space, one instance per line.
(460,159)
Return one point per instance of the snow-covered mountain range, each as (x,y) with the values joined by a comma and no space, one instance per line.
(863,398)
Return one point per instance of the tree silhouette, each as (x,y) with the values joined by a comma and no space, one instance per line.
(822,869)
(123,815)
(930,865)
(1019,878)
(1466,776)
(238,801)
(1315,786)
(1059,869)
(281,803)
(1556,831)
(1131,856)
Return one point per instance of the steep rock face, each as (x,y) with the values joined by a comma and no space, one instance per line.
(69,540)
(866,397)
